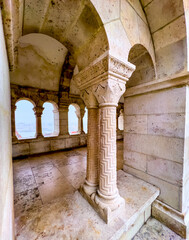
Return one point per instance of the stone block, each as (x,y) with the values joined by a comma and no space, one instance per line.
(158,146)
(166,101)
(136,124)
(108,9)
(20,149)
(172,59)
(40,146)
(129,20)
(162,8)
(170,125)
(169,193)
(58,144)
(166,170)
(135,160)
(171,33)
(170,217)
(72,142)
(130,233)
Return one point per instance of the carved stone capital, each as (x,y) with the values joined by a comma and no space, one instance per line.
(38,111)
(89,98)
(109,91)
(103,67)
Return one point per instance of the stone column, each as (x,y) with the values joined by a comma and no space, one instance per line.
(107,77)
(108,93)
(38,113)
(63,120)
(13,124)
(82,113)
(77,112)
(56,122)
(91,181)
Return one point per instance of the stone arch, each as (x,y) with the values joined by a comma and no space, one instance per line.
(74,119)
(54,120)
(145,69)
(27,99)
(25,120)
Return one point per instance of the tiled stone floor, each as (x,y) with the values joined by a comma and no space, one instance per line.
(40,184)
(154,230)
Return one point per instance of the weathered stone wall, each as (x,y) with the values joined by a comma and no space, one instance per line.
(6,179)
(47,144)
(42,145)
(155,142)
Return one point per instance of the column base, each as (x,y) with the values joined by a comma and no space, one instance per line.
(108,210)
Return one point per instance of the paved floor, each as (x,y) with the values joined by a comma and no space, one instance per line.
(40,184)
(41,179)
(154,230)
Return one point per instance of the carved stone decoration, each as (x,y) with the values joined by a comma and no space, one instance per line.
(108,198)
(89,98)
(109,91)
(105,65)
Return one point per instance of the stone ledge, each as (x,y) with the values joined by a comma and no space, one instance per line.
(138,196)
(42,145)
(171,218)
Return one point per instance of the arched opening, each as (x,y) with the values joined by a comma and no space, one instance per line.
(73,119)
(145,71)
(121,121)
(50,120)
(85,120)
(25,120)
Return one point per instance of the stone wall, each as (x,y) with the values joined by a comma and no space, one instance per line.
(155,141)
(6,179)
(42,145)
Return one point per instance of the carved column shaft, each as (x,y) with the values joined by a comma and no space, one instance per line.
(82,113)
(38,113)
(92,147)
(91,181)
(63,120)
(108,174)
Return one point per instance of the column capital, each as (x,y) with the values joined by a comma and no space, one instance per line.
(103,68)
(38,110)
(109,91)
(63,107)
(82,112)
(89,98)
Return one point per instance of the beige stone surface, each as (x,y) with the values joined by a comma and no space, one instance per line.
(171,33)
(170,125)
(136,160)
(156,230)
(6,183)
(169,193)
(155,146)
(166,170)
(70,209)
(156,9)
(167,101)
(171,218)
(136,124)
